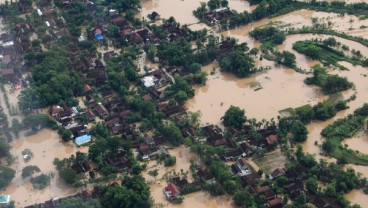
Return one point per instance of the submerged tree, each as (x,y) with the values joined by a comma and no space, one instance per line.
(234,117)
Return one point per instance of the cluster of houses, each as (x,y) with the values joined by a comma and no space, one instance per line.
(217,15)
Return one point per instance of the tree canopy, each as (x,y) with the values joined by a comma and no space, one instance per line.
(234,117)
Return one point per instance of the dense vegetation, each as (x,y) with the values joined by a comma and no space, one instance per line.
(345,128)
(132,193)
(268,34)
(7,174)
(238,63)
(330,84)
(52,82)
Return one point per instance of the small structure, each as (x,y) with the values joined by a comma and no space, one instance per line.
(101,110)
(154,16)
(277,173)
(83,139)
(274,203)
(241,168)
(98,34)
(171,192)
(149,81)
(4,199)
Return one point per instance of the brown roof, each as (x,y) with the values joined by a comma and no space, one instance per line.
(271,139)
(6,72)
(274,202)
(147,97)
(101,109)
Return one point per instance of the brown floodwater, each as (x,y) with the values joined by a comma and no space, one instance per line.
(281,88)
(358,197)
(46,145)
(182,10)
(359,142)
(199,199)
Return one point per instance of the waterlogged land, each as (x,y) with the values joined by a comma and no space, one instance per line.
(45,145)
(263,95)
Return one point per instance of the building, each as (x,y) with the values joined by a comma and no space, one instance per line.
(101,110)
(171,192)
(83,139)
(154,16)
(241,168)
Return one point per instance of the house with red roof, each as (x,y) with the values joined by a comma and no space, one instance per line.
(171,192)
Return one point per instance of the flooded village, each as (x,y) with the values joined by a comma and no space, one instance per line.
(184,103)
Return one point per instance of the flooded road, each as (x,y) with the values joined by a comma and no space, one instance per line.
(46,145)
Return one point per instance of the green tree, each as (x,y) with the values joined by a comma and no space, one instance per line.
(16,127)
(40,182)
(6,176)
(328,145)
(30,170)
(172,133)
(234,117)
(68,175)
(311,185)
(169,161)
(299,131)
(4,148)
(305,113)
(238,63)
(65,134)
(181,97)
(289,59)
(77,202)
(133,193)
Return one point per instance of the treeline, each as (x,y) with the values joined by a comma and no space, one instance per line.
(345,128)
(326,52)
(232,57)
(270,8)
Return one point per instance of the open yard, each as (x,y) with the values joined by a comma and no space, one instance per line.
(271,161)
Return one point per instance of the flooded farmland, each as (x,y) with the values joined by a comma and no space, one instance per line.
(46,145)
(223,89)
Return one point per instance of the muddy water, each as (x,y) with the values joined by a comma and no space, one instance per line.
(359,142)
(281,88)
(45,146)
(357,197)
(182,10)
(198,199)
